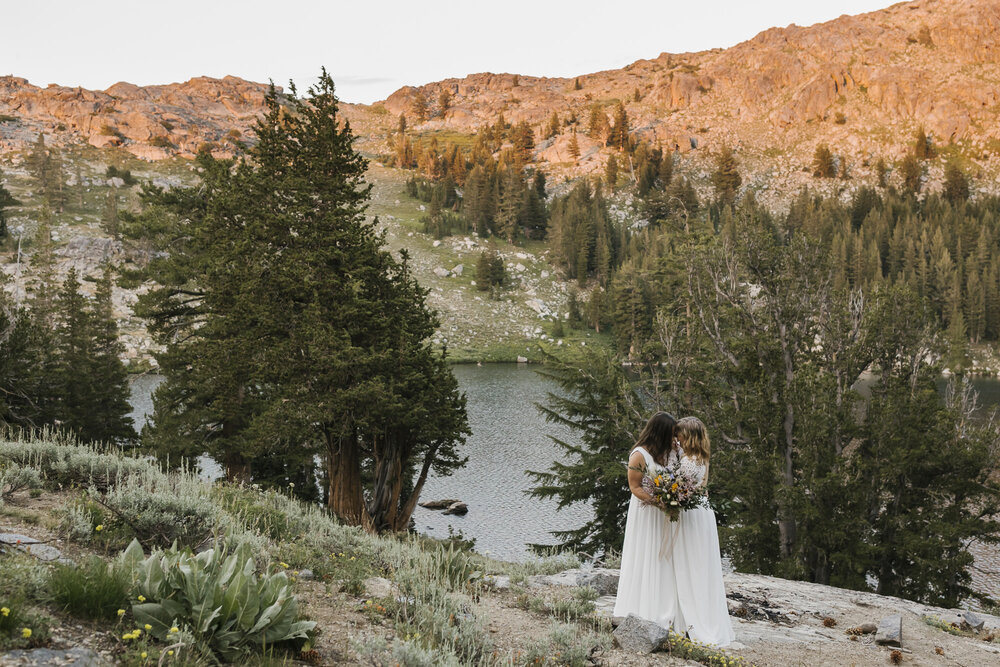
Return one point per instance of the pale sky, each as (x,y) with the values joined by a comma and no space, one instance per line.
(371,48)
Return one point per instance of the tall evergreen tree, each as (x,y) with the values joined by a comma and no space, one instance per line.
(620,129)
(911,172)
(331,367)
(956,185)
(611,173)
(6,201)
(823,166)
(574,147)
(418,106)
(726,177)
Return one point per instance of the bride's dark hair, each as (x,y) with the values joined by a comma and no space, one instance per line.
(657,436)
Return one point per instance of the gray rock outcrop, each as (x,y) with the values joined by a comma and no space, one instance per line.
(639,635)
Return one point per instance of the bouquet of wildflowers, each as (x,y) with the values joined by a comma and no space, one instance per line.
(673,489)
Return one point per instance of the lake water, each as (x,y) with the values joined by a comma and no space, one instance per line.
(509,437)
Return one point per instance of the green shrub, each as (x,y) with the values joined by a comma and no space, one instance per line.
(217,597)
(22,577)
(93,590)
(16,478)
(566,645)
(351,571)
(264,512)
(161,142)
(21,627)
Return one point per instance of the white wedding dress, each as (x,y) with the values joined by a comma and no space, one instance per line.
(683,590)
(646,585)
(702,610)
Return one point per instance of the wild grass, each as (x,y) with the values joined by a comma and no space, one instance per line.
(123,496)
(92,590)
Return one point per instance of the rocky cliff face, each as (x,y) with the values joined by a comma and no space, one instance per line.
(152,122)
(862,83)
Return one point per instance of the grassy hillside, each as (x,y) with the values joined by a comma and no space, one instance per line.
(433,603)
(474,326)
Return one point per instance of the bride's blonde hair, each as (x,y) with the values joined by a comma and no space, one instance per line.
(698,445)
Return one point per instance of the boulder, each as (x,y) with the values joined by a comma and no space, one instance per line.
(460,509)
(522,360)
(378,587)
(639,635)
(602,580)
(890,631)
(442,272)
(457,271)
(971,620)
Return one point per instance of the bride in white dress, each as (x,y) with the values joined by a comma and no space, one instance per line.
(680,587)
(646,586)
(702,610)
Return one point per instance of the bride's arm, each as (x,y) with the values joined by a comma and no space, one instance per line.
(636,462)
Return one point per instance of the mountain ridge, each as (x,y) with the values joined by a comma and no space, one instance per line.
(862,84)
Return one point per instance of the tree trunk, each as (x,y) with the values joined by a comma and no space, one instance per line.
(237,468)
(786,518)
(405,512)
(345,497)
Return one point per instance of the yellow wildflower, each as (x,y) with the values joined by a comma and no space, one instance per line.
(174,629)
(26,633)
(284,565)
(121,612)
(148,627)
(143,655)
(170,652)
(141,598)
(4,611)
(99,527)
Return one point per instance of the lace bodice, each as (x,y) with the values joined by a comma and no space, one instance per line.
(689,464)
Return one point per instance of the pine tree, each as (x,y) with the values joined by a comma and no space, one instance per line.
(923,149)
(576,84)
(510,205)
(444,101)
(611,173)
(401,126)
(595,401)
(574,147)
(303,362)
(6,201)
(726,177)
(418,106)
(956,185)
(21,367)
(823,166)
(598,128)
(620,129)
(665,172)
(881,170)
(911,172)
(109,419)
(552,129)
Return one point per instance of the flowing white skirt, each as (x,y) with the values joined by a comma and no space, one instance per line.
(646,586)
(702,610)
